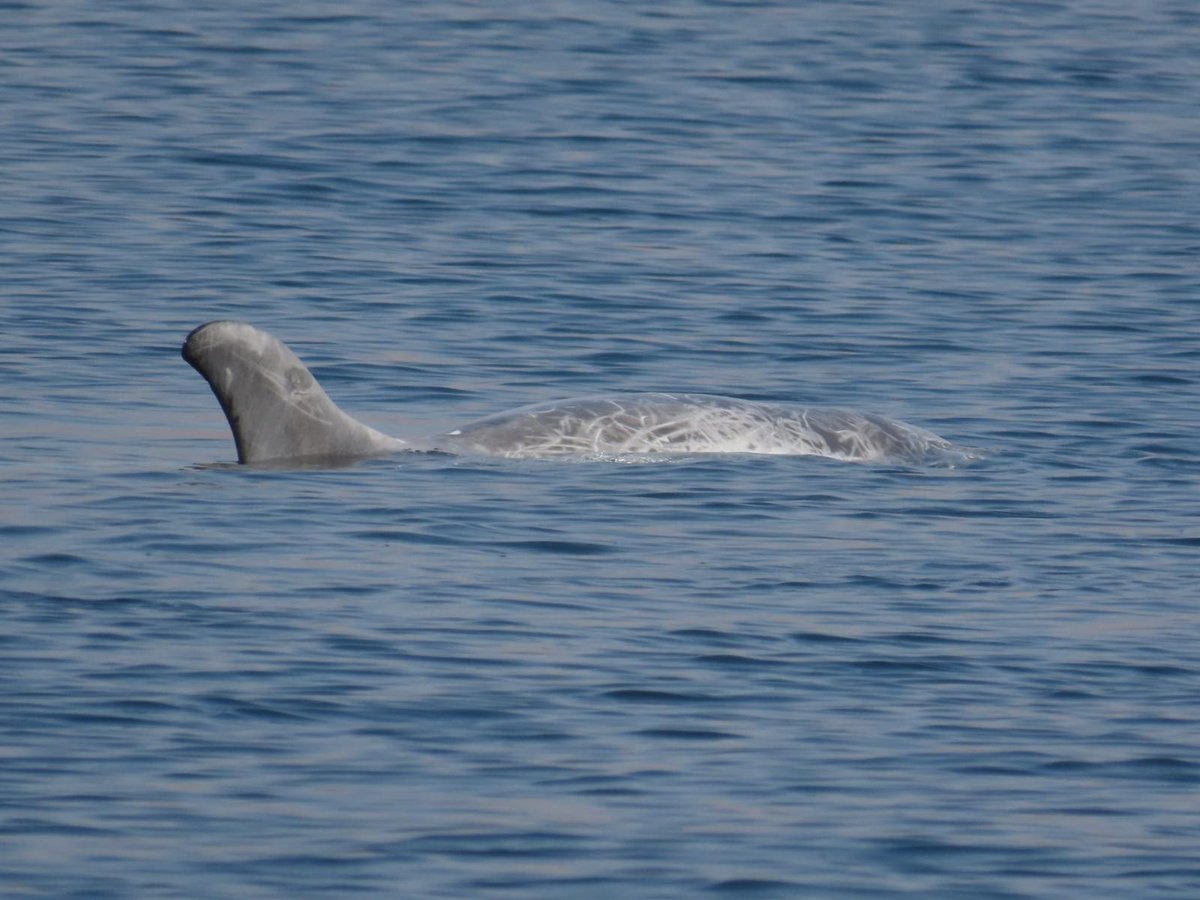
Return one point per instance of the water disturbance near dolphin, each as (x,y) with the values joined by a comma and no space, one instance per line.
(278,413)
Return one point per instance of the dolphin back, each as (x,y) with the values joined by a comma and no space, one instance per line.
(617,425)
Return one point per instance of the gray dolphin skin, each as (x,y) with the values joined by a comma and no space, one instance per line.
(275,408)
(279,414)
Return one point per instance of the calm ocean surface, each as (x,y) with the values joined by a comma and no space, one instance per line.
(750,677)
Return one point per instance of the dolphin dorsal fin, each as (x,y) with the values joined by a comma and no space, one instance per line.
(276,409)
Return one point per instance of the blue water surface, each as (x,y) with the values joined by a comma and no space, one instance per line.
(432,676)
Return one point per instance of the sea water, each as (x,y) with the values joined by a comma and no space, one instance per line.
(436,676)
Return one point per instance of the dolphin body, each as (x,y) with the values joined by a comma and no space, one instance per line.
(279,414)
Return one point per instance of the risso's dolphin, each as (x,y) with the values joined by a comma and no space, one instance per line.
(278,413)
